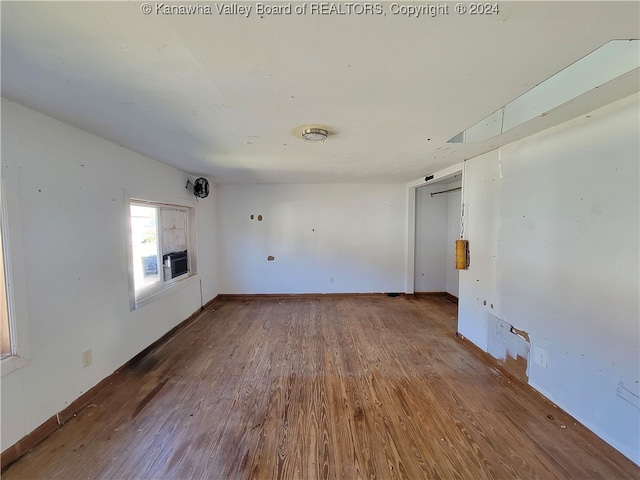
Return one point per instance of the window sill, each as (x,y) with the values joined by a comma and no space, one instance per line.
(12,363)
(165,290)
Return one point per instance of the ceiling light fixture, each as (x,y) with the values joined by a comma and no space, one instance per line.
(314,135)
(313,132)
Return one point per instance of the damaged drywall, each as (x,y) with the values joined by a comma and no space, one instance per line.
(572,288)
(509,345)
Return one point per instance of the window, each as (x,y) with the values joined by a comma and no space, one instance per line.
(161,248)
(14,312)
(5,326)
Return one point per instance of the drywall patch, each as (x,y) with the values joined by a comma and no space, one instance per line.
(518,366)
(509,345)
(520,333)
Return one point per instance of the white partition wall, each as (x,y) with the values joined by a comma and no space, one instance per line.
(312,238)
(553,229)
(67,201)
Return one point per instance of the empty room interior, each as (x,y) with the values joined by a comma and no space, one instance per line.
(303,240)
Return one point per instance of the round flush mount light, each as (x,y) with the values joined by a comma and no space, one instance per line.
(314,133)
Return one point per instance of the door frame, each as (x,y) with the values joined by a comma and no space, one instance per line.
(411,217)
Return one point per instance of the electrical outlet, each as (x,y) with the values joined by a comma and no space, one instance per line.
(86,358)
(540,357)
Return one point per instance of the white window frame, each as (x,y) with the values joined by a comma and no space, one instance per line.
(15,283)
(162,288)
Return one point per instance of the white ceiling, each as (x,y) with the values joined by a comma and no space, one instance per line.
(218,95)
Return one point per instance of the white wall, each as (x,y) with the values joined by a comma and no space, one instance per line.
(553,229)
(453,234)
(325,238)
(66,196)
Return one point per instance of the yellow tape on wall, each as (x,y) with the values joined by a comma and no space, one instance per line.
(462,254)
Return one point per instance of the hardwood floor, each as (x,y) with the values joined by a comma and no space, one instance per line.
(325,387)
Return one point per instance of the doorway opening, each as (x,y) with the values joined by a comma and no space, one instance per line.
(437,227)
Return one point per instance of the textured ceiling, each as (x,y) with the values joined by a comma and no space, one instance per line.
(219,94)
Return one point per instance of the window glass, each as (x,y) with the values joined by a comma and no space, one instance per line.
(5,333)
(144,243)
(161,247)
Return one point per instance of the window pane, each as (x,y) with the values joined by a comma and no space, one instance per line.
(174,230)
(144,241)
(162,250)
(5,337)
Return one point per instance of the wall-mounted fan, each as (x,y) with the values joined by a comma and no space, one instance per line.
(200,187)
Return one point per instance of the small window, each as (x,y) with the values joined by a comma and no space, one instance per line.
(161,247)
(14,316)
(5,325)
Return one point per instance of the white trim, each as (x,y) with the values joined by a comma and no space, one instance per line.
(439,175)
(411,236)
(167,289)
(411,218)
(15,281)
(162,288)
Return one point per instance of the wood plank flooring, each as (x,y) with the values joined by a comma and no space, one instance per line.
(325,387)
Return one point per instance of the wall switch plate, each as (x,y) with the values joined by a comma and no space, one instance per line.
(86,358)
(540,357)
